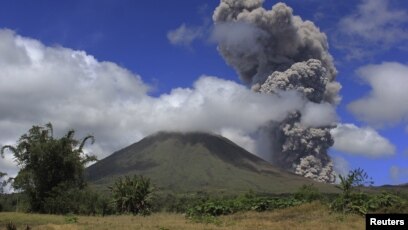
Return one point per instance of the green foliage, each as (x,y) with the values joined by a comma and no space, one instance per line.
(355,178)
(308,192)
(64,199)
(178,203)
(387,203)
(352,203)
(132,195)
(71,219)
(363,203)
(46,162)
(351,200)
(14,202)
(219,207)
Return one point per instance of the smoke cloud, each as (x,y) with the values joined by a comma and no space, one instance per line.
(275,51)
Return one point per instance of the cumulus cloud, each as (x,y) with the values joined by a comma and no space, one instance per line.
(71,89)
(387,102)
(373,22)
(318,115)
(365,141)
(184,35)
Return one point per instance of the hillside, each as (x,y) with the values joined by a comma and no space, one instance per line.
(192,162)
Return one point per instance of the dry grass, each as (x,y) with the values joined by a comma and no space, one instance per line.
(307,216)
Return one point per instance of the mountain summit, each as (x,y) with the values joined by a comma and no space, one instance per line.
(192,162)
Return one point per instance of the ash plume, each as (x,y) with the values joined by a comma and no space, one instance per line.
(274,51)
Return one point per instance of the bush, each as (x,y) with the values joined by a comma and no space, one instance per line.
(351,200)
(177,203)
(308,193)
(353,203)
(132,195)
(245,203)
(63,200)
(387,203)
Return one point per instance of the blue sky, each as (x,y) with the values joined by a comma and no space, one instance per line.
(365,37)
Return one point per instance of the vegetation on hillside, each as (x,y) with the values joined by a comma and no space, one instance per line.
(354,200)
(196,162)
(51,180)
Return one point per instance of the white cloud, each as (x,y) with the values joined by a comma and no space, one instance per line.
(375,21)
(373,27)
(184,35)
(317,115)
(7,164)
(71,89)
(351,139)
(387,102)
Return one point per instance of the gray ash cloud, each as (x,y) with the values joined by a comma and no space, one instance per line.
(274,51)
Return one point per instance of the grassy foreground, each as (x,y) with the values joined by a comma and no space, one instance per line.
(306,216)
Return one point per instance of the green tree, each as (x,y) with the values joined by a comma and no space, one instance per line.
(355,178)
(46,162)
(132,195)
(351,199)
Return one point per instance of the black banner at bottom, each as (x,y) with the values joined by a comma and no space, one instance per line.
(386,221)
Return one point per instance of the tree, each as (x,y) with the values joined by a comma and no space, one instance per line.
(355,178)
(352,200)
(132,195)
(46,162)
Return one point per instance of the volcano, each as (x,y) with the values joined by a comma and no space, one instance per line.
(196,162)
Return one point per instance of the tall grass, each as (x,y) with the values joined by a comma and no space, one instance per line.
(307,216)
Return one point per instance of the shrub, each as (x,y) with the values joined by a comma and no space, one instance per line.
(246,203)
(308,192)
(132,195)
(71,219)
(63,200)
(351,200)
(387,203)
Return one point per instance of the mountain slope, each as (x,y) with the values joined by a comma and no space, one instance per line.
(186,162)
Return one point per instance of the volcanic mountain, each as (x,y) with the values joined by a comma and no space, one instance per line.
(193,162)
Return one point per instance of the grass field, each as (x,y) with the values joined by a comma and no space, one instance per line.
(307,216)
